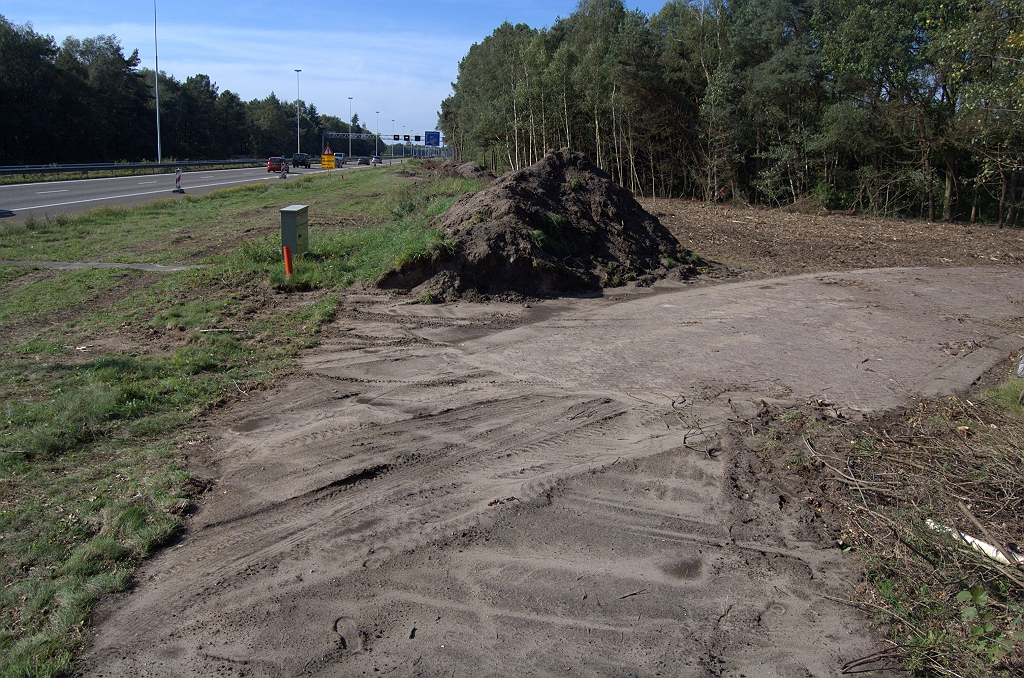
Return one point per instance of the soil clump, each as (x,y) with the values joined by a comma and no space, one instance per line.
(558,227)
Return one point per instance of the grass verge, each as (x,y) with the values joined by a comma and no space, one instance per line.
(106,372)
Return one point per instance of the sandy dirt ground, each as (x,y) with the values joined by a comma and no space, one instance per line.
(562,488)
(776,242)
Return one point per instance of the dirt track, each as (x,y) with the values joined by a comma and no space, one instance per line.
(565,489)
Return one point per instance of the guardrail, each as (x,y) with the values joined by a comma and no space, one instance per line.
(121,166)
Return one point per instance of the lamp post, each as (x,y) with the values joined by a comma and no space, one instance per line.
(350,127)
(376,138)
(156,87)
(392,138)
(403,141)
(298,96)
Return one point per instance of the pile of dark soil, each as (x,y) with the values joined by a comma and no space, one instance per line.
(463,170)
(555,228)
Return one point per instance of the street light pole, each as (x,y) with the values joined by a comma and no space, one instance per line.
(156,87)
(376,139)
(298,96)
(350,127)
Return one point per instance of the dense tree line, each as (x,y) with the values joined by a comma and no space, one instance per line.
(909,107)
(86,101)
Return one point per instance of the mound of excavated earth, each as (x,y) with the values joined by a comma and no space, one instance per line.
(560,226)
(463,170)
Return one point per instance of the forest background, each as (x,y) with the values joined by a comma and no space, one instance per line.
(901,108)
(895,107)
(86,101)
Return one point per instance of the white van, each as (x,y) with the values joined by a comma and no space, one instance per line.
(339,159)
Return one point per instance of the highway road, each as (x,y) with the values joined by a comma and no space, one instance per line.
(50,198)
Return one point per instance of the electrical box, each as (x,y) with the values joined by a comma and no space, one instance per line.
(295,228)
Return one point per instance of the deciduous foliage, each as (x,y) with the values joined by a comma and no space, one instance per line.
(908,107)
(86,101)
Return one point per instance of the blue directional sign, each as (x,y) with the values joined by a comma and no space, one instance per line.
(432,139)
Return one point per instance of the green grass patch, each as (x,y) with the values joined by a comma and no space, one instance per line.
(343,257)
(1007,396)
(57,291)
(9,274)
(201,229)
(105,372)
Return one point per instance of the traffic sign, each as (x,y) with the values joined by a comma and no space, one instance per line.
(397,137)
(327,158)
(417,137)
(432,139)
(406,137)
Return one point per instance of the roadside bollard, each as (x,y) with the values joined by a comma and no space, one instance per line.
(288,270)
(177,181)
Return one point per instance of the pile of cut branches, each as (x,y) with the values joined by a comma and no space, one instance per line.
(932,500)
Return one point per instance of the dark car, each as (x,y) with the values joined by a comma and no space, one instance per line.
(377,160)
(300,160)
(276,164)
(363,160)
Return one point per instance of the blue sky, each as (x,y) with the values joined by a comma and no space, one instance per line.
(398,58)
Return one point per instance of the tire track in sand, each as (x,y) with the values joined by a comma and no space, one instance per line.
(534,501)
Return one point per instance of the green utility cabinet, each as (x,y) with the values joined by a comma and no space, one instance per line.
(295,228)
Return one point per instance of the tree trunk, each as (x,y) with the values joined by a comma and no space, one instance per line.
(947,205)
(654,191)
(931,187)
(565,110)
(1002,198)
(543,123)
(1011,208)
(974,204)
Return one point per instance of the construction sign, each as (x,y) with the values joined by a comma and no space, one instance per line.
(327,158)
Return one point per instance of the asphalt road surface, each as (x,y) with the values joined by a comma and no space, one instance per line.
(49,198)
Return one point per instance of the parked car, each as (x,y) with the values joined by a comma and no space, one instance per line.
(377,160)
(363,160)
(339,159)
(276,164)
(301,160)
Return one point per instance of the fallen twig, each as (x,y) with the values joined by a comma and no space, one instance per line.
(634,593)
(873,658)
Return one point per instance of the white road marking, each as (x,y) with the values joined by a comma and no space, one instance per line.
(72,181)
(130,195)
(143,183)
(63,190)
